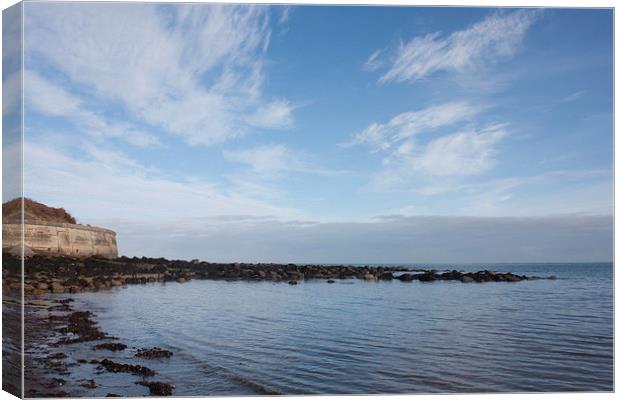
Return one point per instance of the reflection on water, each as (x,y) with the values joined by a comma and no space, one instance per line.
(233,338)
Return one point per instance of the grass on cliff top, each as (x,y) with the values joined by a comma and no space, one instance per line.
(11,212)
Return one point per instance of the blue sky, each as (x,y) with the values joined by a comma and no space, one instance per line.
(226,132)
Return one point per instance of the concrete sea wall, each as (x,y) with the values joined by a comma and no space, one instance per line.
(61,238)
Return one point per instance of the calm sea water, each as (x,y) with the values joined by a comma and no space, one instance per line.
(238,338)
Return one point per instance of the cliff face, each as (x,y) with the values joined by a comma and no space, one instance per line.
(49,230)
(33,211)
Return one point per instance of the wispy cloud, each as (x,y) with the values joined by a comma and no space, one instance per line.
(273,161)
(276,115)
(497,36)
(53,100)
(585,192)
(462,153)
(383,136)
(267,160)
(410,156)
(573,96)
(107,185)
(374,62)
(284,15)
(192,70)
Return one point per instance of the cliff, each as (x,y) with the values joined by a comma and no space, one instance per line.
(52,231)
(34,211)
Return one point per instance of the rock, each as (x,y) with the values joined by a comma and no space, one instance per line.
(56,356)
(370,277)
(180,280)
(427,277)
(55,364)
(73,289)
(405,277)
(116,282)
(158,388)
(552,277)
(29,289)
(511,277)
(55,383)
(292,282)
(110,346)
(17,251)
(262,274)
(112,366)
(57,287)
(386,276)
(89,384)
(42,286)
(331,281)
(451,275)
(154,352)
(467,279)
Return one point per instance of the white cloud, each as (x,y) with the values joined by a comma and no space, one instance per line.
(193,70)
(442,160)
(405,125)
(462,153)
(53,100)
(285,15)
(573,96)
(273,161)
(497,36)
(584,192)
(103,185)
(374,62)
(277,114)
(267,160)
(587,192)
(11,93)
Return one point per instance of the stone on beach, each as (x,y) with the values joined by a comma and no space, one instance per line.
(154,352)
(158,388)
(115,367)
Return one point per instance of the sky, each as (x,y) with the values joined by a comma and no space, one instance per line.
(324,133)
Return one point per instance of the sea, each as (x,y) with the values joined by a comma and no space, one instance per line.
(357,337)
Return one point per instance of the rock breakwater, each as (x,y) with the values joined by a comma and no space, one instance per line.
(61,274)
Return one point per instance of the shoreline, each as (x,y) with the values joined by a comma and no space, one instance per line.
(62,274)
(53,325)
(54,322)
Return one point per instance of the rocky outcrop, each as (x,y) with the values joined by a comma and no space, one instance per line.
(71,275)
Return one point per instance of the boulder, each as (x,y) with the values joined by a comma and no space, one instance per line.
(512,278)
(405,277)
(57,287)
(427,277)
(467,279)
(370,277)
(386,276)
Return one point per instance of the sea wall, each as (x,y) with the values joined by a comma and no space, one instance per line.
(61,238)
